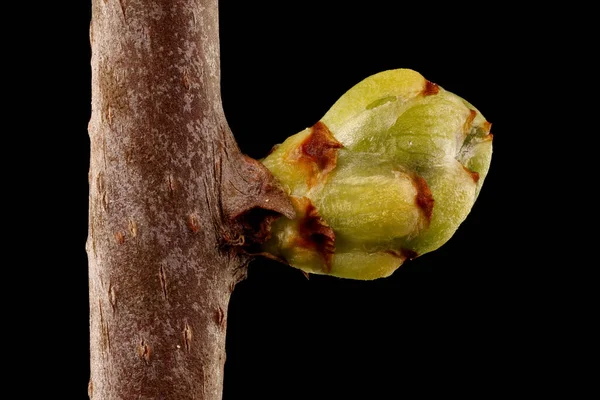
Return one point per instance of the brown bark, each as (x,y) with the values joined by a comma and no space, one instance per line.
(173,202)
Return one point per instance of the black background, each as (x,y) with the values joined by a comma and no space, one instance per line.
(460,321)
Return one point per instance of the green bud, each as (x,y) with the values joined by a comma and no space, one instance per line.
(388,174)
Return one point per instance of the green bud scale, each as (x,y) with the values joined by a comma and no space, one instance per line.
(388,174)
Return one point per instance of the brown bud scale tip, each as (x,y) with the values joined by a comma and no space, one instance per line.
(314,233)
(424,198)
(469,121)
(487,126)
(430,89)
(319,152)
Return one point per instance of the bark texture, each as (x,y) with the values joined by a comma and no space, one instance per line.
(174,205)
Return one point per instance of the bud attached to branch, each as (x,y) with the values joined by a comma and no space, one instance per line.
(388,174)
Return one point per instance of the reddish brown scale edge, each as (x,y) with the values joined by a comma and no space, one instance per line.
(404,254)
(487,126)
(430,88)
(469,121)
(424,198)
(474,174)
(319,152)
(314,233)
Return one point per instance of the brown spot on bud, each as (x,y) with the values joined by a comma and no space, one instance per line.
(430,88)
(318,152)
(313,231)
(424,198)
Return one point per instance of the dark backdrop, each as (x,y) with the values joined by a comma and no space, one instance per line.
(456,321)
